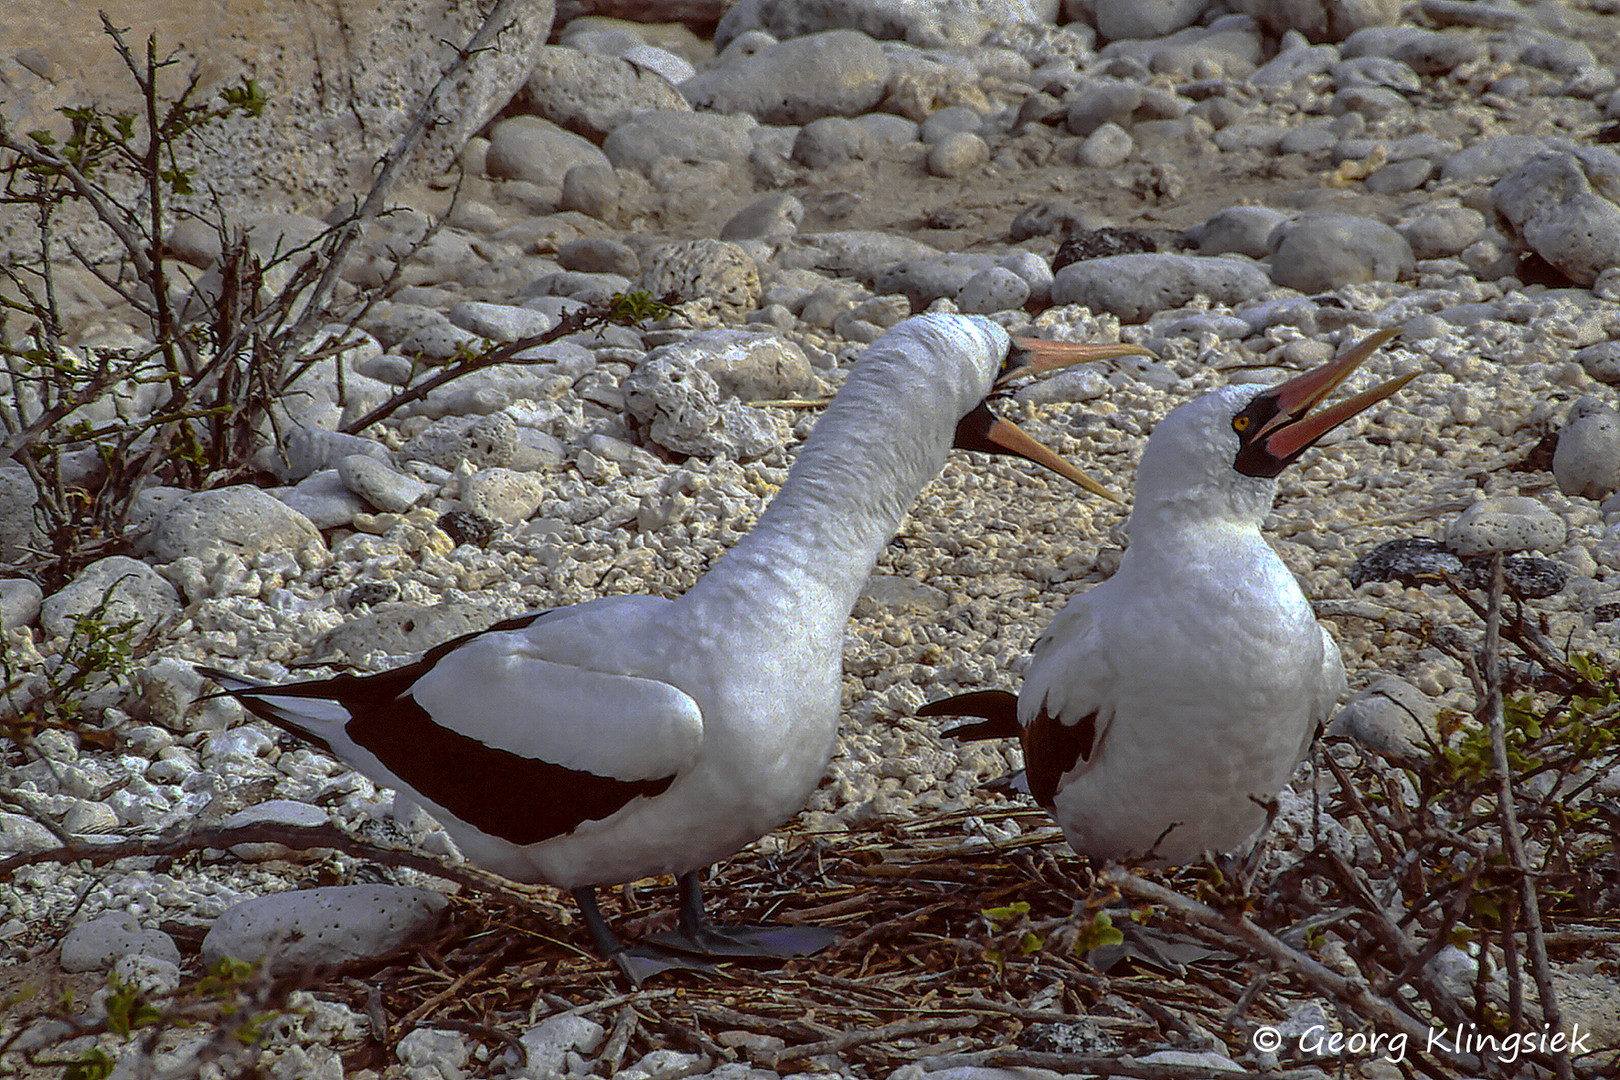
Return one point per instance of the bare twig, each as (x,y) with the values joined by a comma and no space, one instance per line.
(851,1039)
(1512,835)
(1105,1065)
(572,322)
(1352,992)
(499,18)
(296,837)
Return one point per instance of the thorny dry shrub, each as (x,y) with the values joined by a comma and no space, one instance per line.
(197,403)
(191,406)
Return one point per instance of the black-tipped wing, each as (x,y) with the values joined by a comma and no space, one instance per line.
(491,731)
(1051,747)
(520,799)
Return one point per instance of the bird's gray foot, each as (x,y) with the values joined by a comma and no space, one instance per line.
(720,942)
(643,961)
(697,936)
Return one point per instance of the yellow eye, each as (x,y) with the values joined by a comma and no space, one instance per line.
(1240,424)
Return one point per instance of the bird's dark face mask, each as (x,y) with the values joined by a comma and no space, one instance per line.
(1278,425)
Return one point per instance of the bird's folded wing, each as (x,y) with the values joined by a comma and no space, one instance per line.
(1070,682)
(500,692)
(1070,671)
(523,748)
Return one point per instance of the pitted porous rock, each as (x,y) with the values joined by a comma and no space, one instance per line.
(403,629)
(239,520)
(323,927)
(1506,523)
(1322,20)
(482,442)
(119,588)
(303,451)
(745,364)
(993,289)
(680,404)
(100,943)
(20,601)
(836,73)
(962,22)
(1601,361)
(427,1053)
(718,275)
(277,812)
(1562,214)
(19,530)
(1321,251)
(592,95)
(1390,717)
(773,218)
(381,485)
(504,494)
(500,322)
(1133,287)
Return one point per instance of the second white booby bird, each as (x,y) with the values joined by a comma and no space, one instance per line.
(633,736)
(1164,707)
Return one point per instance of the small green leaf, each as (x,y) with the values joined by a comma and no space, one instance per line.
(1100,932)
(94,1064)
(1006,916)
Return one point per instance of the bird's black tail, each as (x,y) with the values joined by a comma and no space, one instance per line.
(998,710)
(304,722)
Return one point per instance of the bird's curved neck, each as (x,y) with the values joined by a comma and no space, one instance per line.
(1182,517)
(813,548)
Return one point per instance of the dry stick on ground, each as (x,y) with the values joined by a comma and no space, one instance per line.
(612,1055)
(851,1039)
(1102,1066)
(1526,637)
(1347,789)
(1442,935)
(1512,838)
(1395,940)
(1242,932)
(297,837)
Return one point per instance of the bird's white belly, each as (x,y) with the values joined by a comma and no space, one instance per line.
(1182,793)
(1214,720)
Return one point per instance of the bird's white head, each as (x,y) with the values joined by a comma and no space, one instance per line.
(1218,456)
(951,358)
(944,367)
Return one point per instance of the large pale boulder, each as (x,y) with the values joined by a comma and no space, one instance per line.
(341,81)
(952,22)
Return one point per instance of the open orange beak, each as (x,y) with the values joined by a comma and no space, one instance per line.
(1287,428)
(983,430)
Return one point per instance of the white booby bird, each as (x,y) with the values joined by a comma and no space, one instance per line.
(633,736)
(1164,707)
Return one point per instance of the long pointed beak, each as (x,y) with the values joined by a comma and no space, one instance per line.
(1291,431)
(983,430)
(1037,356)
